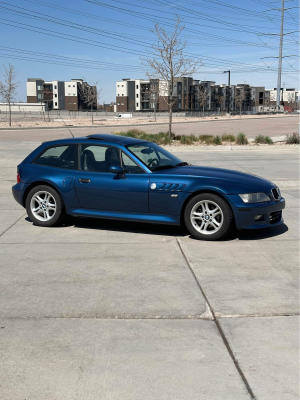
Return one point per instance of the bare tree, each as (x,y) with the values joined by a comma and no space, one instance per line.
(8,88)
(220,99)
(90,94)
(267,102)
(201,96)
(47,98)
(168,62)
(240,96)
(154,96)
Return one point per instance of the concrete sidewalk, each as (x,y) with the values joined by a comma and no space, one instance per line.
(113,310)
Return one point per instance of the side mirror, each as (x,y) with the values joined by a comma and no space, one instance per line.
(116,169)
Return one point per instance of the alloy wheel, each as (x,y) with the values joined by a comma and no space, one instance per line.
(43,206)
(207,217)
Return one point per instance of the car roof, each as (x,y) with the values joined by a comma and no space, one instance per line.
(115,138)
(105,137)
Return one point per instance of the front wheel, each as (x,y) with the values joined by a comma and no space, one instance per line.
(45,206)
(208,217)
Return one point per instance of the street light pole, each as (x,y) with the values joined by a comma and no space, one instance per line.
(228,94)
(280,57)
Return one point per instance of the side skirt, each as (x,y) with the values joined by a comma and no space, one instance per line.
(119,215)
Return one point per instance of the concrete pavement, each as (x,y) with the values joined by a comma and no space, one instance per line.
(270,126)
(113,310)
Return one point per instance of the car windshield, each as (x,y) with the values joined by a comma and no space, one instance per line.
(154,157)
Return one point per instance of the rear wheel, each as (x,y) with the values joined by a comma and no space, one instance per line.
(45,206)
(208,217)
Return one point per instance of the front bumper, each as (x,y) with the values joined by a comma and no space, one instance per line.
(244,214)
(18,192)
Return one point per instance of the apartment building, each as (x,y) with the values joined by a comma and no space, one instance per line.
(57,95)
(192,95)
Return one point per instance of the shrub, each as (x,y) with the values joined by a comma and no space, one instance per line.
(207,139)
(217,141)
(241,139)
(186,140)
(292,139)
(263,139)
(226,137)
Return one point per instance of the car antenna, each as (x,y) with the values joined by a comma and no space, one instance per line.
(66,125)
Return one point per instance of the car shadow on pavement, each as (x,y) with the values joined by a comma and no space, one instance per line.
(170,230)
(258,234)
(127,226)
(166,230)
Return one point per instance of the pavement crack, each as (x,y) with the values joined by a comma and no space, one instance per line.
(215,319)
(12,225)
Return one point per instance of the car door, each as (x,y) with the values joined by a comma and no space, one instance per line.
(99,189)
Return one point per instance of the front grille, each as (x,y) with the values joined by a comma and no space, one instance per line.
(275,217)
(276,193)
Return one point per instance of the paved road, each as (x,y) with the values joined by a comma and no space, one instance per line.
(273,126)
(112,310)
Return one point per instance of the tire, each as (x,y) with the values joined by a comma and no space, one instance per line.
(45,206)
(208,217)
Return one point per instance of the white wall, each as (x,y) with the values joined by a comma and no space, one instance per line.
(55,92)
(71,88)
(31,88)
(138,92)
(121,88)
(23,107)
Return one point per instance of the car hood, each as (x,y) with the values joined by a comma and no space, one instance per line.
(221,174)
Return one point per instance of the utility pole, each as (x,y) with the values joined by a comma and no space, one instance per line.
(281,35)
(228,94)
(280,56)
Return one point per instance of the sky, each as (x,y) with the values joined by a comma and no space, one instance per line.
(105,40)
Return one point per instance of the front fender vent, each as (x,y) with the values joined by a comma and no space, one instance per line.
(169,187)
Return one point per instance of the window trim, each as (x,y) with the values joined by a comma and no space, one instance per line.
(129,156)
(108,145)
(93,144)
(58,145)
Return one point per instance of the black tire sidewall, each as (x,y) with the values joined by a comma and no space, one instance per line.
(227,214)
(59,215)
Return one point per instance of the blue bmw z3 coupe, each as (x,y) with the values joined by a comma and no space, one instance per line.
(117,177)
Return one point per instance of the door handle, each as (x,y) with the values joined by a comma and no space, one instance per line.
(82,180)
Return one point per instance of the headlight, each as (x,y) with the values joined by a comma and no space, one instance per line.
(254,197)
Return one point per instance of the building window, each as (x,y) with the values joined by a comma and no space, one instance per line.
(55,87)
(69,94)
(122,85)
(73,85)
(40,87)
(137,96)
(69,85)
(118,104)
(40,96)
(122,94)
(137,86)
(74,94)
(55,95)
(118,85)
(122,104)
(69,103)
(74,103)
(56,103)
(118,95)
(137,104)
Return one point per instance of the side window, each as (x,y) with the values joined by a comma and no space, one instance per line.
(59,157)
(99,158)
(142,153)
(129,166)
